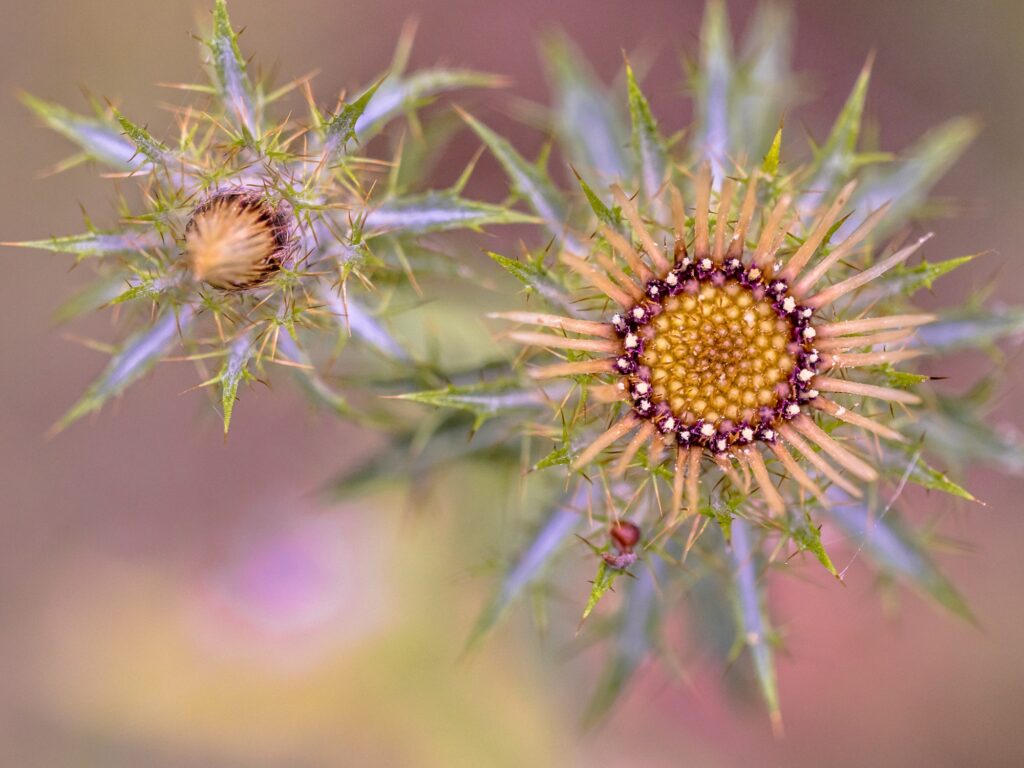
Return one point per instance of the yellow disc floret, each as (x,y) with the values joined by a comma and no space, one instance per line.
(719,353)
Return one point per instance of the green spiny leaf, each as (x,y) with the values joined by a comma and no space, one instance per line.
(714,87)
(234,371)
(835,159)
(484,401)
(907,281)
(899,379)
(957,430)
(588,121)
(91,298)
(648,146)
(559,457)
(908,182)
(764,86)
(133,360)
(603,582)
(340,128)
(808,537)
(611,216)
(400,94)
(435,212)
(140,288)
(532,560)
(356,319)
(537,279)
(770,165)
(754,631)
(892,548)
(151,148)
(931,478)
(531,182)
(633,642)
(973,327)
(231,79)
(94,243)
(100,141)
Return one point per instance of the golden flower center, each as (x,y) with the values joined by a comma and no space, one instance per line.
(719,354)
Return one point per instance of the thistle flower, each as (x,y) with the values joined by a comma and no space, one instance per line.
(720,347)
(248,225)
(735,338)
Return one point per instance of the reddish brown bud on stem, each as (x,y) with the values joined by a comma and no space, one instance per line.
(625,534)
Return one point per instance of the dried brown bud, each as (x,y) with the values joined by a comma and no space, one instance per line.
(625,534)
(237,240)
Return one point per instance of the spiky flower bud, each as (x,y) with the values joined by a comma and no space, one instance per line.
(243,200)
(236,240)
(625,534)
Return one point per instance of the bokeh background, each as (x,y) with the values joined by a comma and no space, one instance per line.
(167,599)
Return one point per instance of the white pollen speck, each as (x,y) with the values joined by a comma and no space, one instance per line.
(616,318)
(621,385)
(805,373)
(642,387)
(808,312)
(734,263)
(793,409)
(671,278)
(722,444)
(645,404)
(778,266)
(685,262)
(747,433)
(638,313)
(813,357)
(812,393)
(623,363)
(670,423)
(707,430)
(810,333)
(840,411)
(631,340)
(769,434)
(684,435)
(789,304)
(755,273)
(705,264)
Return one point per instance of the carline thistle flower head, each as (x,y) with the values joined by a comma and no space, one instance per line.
(249,226)
(737,344)
(721,348)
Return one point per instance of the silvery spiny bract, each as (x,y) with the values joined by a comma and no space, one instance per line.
(735,334)
(253,225)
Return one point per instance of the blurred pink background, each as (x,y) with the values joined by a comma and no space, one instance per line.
(170,600)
